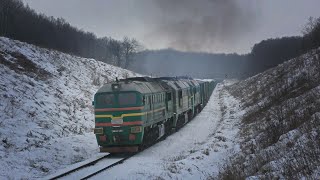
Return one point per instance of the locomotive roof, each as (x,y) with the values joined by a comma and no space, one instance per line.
(166,78)
(143,87)
(145,78)
(179,82)
(146,85)
(176,84)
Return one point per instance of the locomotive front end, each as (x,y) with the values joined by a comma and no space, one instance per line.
(118,118)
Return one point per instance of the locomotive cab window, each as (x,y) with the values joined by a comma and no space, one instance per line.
(105,100)
(127,99)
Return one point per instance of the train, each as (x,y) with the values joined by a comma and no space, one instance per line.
(133,113)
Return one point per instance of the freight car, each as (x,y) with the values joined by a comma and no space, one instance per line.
(135,112)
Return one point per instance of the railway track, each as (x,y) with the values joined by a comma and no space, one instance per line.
(98,165)
(91,168)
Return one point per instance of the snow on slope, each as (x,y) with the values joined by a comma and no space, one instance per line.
(197,151)
(281,129)
(45,108)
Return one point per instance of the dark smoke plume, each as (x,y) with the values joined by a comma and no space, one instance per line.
(203,25)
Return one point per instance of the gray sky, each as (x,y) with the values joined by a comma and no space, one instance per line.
(189,25)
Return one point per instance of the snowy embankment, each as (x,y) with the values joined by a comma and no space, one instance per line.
(281,128)
(45,109)
(197,151)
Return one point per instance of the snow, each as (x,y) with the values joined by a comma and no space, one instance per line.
(92,169)
(46,114)
(77,165)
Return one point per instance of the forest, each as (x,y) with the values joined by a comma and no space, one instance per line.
(18,21)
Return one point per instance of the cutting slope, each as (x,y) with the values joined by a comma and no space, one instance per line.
(281,129)
(45,108)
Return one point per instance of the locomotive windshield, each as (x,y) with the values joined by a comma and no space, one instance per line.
(117,99)
(127,99)
(106,100)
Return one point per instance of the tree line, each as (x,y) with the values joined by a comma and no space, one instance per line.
(18,21)
(271,52)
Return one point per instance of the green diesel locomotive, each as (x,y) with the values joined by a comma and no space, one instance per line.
(135,112)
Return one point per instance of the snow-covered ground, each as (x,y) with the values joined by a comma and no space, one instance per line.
(280,131)
(45,108)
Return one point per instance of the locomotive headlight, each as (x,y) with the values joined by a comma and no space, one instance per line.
(136,129)
(98,130)
(116,87)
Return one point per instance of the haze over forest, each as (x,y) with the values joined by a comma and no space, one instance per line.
(231,26)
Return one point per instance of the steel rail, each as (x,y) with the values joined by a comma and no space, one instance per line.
(80,167)
(105,168)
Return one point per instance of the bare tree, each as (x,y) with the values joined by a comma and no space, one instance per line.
(311,25)
(130,47)
(116,50)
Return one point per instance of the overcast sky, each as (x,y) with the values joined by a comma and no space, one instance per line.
(189,25)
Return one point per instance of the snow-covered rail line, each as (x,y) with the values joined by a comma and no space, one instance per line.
(90,168)
(105,168)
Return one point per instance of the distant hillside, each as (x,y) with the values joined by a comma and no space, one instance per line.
(264,55)
(281,129)
(46,114)
(200,65)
